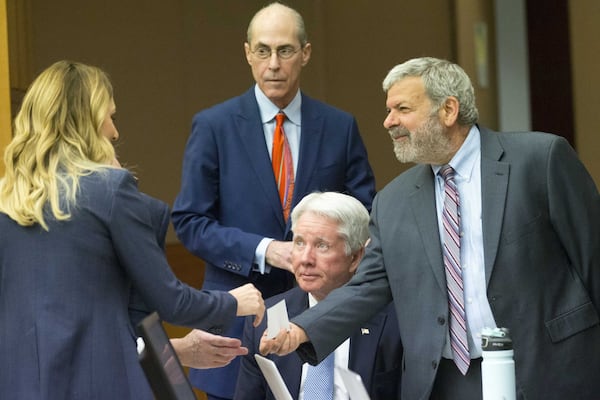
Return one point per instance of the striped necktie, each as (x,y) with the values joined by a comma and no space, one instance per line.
(454,281)
(283,167)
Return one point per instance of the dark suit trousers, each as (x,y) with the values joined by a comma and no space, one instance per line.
(450,384)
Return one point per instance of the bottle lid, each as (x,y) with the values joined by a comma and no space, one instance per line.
(495,339)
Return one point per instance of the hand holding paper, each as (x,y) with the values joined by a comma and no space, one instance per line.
(284,343)
(277,319)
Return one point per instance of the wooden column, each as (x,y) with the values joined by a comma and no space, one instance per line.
(5,109)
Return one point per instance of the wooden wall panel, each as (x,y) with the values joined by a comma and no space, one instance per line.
(585,59)
(476,54)
(190,269)
(5,108)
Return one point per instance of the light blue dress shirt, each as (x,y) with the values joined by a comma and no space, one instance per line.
(291,127)
(467,164)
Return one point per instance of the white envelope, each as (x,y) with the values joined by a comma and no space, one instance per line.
(273,377)
(354,384)
(277,319)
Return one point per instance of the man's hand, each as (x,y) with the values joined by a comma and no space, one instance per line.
(279,255)
(284,343)
(249,302)
(200,349)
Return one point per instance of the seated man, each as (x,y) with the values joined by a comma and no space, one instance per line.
(330,232)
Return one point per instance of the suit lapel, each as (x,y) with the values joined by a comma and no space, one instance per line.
(494,184)
(364,346)
(422,201)
(250,133)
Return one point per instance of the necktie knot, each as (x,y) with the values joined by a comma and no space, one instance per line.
(447,172)
(279,118)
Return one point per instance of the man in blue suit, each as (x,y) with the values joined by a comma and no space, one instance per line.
(228,211)
(330,232)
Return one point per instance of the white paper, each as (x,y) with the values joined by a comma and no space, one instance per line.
(273,377)
(277,319)
(354,384)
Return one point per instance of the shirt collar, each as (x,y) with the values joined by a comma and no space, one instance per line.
(465,158)
(268,110)
(311,300)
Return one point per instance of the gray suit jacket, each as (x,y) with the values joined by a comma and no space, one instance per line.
(541,233)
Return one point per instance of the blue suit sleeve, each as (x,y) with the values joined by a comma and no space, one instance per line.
(134,239)
(160,219)
(198,208)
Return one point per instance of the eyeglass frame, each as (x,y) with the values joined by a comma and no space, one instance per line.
(277,51)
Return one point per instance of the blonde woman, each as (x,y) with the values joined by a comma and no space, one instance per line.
(75,236)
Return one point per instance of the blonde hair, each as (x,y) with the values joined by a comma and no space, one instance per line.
(57,139)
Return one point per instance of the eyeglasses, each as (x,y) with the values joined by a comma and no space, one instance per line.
(283,53)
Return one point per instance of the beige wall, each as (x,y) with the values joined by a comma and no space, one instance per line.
(169,60)
(475,52)
(585,50)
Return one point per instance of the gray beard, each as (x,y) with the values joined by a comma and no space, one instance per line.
(426,145)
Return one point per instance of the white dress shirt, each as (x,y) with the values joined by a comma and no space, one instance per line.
(342,355)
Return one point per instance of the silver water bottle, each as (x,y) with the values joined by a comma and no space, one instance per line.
(498,365)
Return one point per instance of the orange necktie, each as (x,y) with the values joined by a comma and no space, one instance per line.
(283,167)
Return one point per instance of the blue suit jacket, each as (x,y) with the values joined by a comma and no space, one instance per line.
(160,219)
(65,331)
(541,238)
(376,356)
(229,202)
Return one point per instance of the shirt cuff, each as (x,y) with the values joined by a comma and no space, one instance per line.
(260,254)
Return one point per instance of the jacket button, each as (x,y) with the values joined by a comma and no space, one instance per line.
(441,320)
(434,364)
